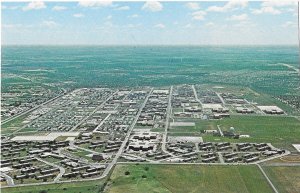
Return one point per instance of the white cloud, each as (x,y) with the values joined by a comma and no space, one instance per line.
(193,6)
(78,15)
(96,3)
(130,25)
(59,8)
(215,9)
(188,25)
(289,24)
(210,24)
(12,26)
(49,23)
(160,25)
(199,15)
(109,17)
(133,16)
(231,5)
(34,5)
(152,6)
(269,10)
(273,7)
(242,17)
(279,3)
(123,8)
(9,7)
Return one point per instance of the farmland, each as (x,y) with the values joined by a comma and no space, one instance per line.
(187,178)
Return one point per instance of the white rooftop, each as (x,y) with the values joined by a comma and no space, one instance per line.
(212,106)
(49,137)
(297,147)
(185,139)
(269,108)
(182,124)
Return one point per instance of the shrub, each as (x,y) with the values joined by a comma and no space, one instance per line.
(127,173)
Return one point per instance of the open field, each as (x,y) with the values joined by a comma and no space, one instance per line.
(278,130)
(292,158)
(286,179)
(94,186)
(13,125)
(281,131)
(187,178)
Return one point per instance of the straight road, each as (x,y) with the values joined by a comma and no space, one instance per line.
(61,169)
(114,161)
(269,181)
(168,111)
(96,109)
(220,131)
(196,96)
(29,110)
(222,100)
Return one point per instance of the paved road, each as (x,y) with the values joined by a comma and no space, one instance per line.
(220,131)
(221,157)
(114,161)
(61,169)
(196,96)
(168,111)
(29,110)
(96,109)
(9,179)
(274,157)
(101,123)
(282,164)
(266,176)
(222,100)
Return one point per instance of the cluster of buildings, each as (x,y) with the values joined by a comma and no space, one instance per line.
(143,141)
(154,113)
(18,99)
(184,102)
(69,110)
(87,130)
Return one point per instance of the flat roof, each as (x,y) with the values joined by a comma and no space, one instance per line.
(269,108)
(297,147)
(212,106)
(182,124)
(185,138)
(49,137)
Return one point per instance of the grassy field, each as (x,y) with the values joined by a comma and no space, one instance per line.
(13,125)
(286,179)
(76,187)
(279,130)
(187,178)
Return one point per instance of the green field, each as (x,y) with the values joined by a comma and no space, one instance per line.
(280,131)
(286,179)
(187,178)
(94,186)
(13,125)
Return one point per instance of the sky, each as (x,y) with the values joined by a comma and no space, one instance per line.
(149,23)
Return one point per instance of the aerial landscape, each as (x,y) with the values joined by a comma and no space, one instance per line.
(141,97)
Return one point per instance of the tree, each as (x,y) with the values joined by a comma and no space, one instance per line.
(127,173)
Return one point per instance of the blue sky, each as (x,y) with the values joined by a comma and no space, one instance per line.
(145,23)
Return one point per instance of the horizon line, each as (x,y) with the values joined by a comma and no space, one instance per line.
(133,45)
